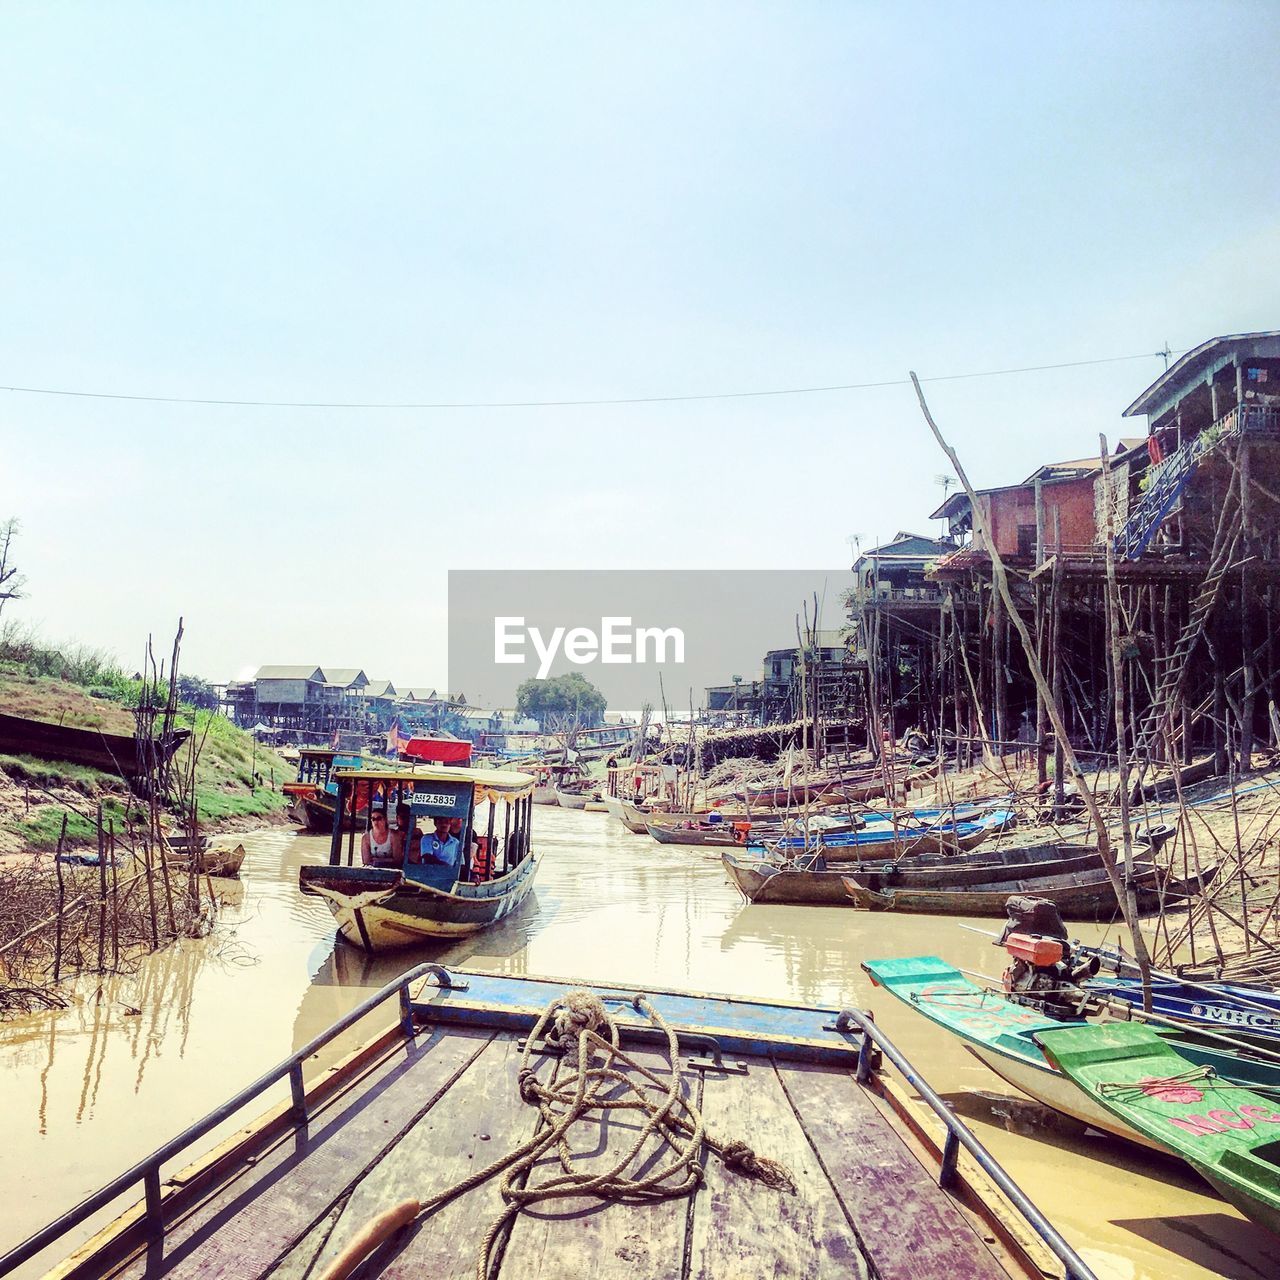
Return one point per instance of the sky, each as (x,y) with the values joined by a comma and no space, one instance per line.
(479,204)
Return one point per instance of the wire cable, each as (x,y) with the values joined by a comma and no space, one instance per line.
(567,404)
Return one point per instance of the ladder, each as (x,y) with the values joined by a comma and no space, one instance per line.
(1155,504)
(1171,668)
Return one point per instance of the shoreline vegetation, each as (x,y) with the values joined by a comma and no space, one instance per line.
(87,884)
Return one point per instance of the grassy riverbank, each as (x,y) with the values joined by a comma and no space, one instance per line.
(236,783)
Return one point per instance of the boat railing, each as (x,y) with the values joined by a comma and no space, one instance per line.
(958,1135)
(147,1170)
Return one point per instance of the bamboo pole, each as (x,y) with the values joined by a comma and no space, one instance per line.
(1105,851)
(62,898)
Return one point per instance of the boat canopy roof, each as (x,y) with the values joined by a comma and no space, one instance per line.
(505,784)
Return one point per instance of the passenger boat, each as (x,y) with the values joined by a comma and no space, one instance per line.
(314,765)
(1081,895)
(109,752)
(773,1143)
(1228,1134)
(382,908)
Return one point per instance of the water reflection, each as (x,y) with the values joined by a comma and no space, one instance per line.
(91,1088)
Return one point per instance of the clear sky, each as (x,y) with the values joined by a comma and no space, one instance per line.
(429,203)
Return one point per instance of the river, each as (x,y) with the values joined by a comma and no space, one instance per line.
(89,1089)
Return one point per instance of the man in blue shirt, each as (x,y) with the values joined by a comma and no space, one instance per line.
(440,848)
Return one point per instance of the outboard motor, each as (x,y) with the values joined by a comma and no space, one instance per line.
(1042,975)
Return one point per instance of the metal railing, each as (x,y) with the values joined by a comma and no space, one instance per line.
(959,1135)
(147,1170)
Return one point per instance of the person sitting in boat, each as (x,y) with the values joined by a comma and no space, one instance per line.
(406,827)
(376,844)
(441,848)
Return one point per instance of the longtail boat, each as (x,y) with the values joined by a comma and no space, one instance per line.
(810,880)
(722,834)
(1229,1135)
(897,839)
(383,907)
(1082,895)
(997,1031)
(109,752)
(767,1140)
(1252,1013)
(1003,1034)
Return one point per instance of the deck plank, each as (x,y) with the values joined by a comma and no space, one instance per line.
(262,1216)
(908,1226)
(469,1128)
(584,1236)
(744,1229)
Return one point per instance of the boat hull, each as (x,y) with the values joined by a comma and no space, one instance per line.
(571,799)
(378,909)
(1076,897)
(1059,1093)
(109,752)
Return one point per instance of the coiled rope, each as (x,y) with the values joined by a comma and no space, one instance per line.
(577,1024)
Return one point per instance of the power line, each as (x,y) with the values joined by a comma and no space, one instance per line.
(568,404)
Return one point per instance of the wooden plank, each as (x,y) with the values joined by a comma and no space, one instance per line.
(744,1229)
(298,1263)
(478,1121)
(262,1215)
(584,1236)
(908,1226)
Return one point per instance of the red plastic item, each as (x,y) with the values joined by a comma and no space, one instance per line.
(1038,952)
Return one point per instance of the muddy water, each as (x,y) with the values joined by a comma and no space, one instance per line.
(87,1090)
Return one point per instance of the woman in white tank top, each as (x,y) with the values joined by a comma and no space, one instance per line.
(375,844)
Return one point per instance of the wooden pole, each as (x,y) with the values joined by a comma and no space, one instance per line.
(102,894)
(62,898)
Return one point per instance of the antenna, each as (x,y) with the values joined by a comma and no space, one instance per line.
(1166,353)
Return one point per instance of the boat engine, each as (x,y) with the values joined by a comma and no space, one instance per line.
(1042,974)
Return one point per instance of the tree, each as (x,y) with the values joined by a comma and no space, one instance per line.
(11,581)
(197,693)
(560,702)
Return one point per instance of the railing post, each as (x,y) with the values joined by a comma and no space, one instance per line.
(865,1051)
(406,1013)
(151,1190)
(299,1092)
(950,1151)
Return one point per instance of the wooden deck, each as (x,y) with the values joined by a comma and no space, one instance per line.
(424,1114)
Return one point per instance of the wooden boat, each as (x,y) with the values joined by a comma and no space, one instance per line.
(110,752)
(383,908)
(571,799)
(549,779)
(798,793)
(314,767)
(1005,1036)
(850,1173)
(1229,1135)
(767,880)
(218,860)
(721,834)
(997,1031)
(897,839)
(1085,895)
(596,806)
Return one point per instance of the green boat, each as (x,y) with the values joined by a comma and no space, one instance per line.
(1228,1134)
(1003,1035)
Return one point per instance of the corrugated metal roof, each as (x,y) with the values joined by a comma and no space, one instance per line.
(1195,364)
(290,673)
(345,676)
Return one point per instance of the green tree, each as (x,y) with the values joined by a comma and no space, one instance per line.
(562,702)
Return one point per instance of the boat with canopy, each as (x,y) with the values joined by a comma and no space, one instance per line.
(380,908)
